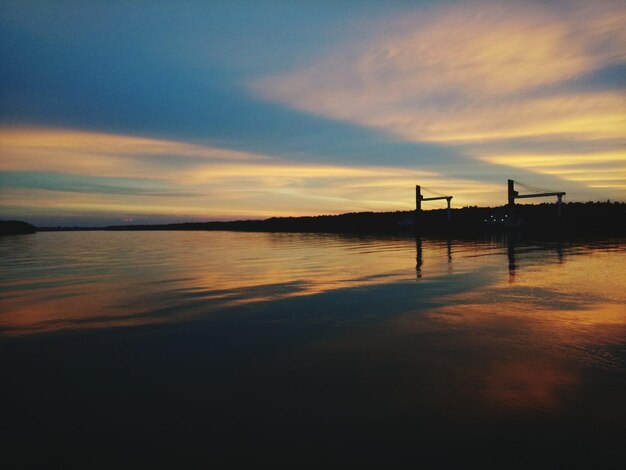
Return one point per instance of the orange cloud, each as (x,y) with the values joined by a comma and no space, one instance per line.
(474,75)
(459,74)
(94,153)
(213,182)
(595,169)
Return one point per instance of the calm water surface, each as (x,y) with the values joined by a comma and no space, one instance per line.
(200,348)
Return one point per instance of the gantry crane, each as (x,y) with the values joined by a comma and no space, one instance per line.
(513,195)
(419,199)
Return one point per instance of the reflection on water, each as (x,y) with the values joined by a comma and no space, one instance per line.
(81,280)
(78,280)
(257,346)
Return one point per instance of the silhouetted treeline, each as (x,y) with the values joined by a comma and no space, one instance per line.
(601,217)
(15,227)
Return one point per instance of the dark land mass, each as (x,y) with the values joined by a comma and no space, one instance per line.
(15,227)
(607,218)
(591,217)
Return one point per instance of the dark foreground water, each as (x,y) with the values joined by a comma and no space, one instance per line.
(213,349)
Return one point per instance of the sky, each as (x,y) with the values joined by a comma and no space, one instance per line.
(115,112)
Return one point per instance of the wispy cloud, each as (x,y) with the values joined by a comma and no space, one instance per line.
(468,72)
(69,172)
(73,151)
(597,170)
(474,74)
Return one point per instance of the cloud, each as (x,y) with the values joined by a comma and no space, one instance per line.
(597,170)
(78,152)
(59,172)
(473,74)
(464,73)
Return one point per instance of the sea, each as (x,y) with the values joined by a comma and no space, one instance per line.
(220,349)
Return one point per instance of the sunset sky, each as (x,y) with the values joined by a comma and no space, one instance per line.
(140,112)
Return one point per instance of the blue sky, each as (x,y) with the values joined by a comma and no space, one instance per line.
(162,111)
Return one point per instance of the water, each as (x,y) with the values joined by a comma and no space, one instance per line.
(218,348)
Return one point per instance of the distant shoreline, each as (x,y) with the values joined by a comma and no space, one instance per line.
(604,217)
